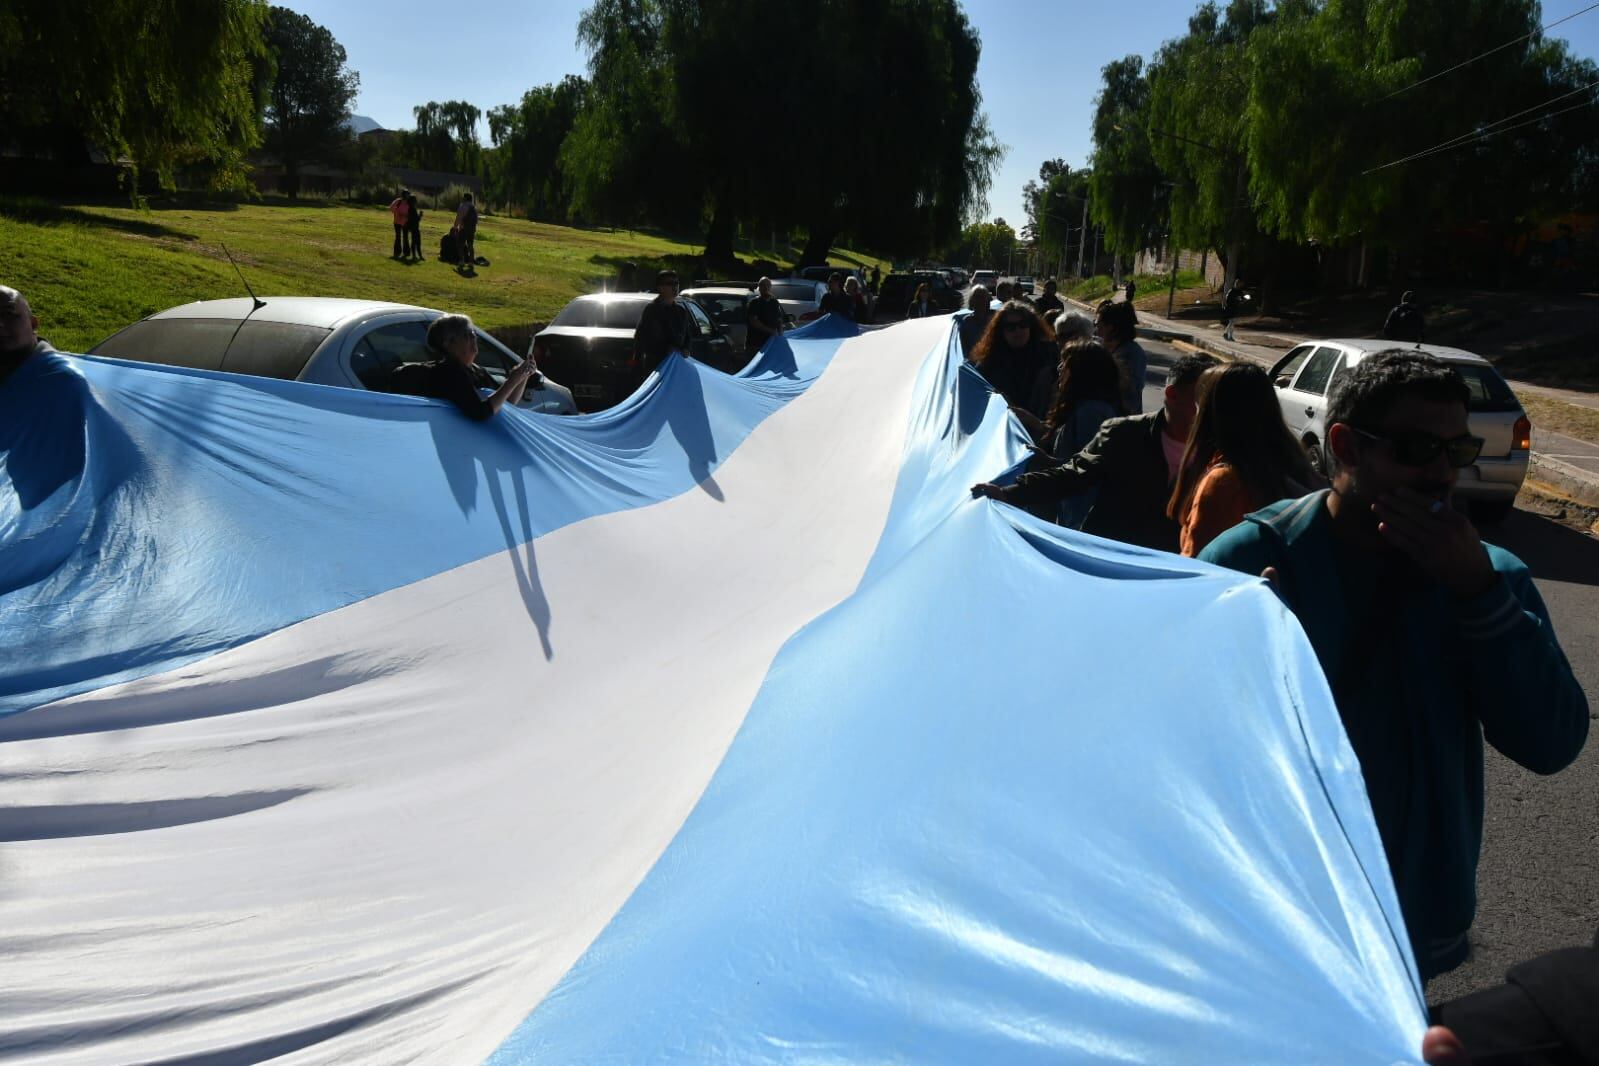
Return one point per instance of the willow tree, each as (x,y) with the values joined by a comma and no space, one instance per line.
(161,83)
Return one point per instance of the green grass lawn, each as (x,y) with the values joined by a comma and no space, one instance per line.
(1100,286)
(88,270)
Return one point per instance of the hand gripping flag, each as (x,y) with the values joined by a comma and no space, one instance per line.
(719,726)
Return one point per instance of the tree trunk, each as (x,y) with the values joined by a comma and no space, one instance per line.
(719,238)
(818,243)
(291,180)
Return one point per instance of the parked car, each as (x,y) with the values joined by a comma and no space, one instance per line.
(800,298)
(894,295)
(1305,377)
(1025,284)
(351,344)
(728,306)
(590,345)
(822,272)
(986,278)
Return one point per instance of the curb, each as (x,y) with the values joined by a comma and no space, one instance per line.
(1575,482)
(1581,485)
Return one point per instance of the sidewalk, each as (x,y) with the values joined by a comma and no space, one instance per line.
(1567,463)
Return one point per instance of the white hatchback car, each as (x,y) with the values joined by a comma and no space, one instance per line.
(353,344)
(1307,375)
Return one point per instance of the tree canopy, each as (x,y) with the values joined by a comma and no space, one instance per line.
(1314,120)
(719,111)
(308,106)
(163,83)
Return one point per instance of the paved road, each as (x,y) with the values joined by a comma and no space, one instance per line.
(1538,884)
(1570,450)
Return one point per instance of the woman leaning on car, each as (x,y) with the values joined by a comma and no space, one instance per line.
(450,376)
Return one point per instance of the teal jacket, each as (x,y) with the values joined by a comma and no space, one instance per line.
(1420,681)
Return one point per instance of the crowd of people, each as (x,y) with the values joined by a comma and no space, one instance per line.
(1431,640)
(460,243)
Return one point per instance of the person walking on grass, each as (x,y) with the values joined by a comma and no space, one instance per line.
(400,212)
(1405,322)
(413,225)
(466,233)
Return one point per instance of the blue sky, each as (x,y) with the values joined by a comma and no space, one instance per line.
(1039,72)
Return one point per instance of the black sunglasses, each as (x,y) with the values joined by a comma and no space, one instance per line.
(1419,449)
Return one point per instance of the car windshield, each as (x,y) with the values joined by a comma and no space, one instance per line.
(601,314)
(794,291)
(1488,390)
(722,308)
(261,349)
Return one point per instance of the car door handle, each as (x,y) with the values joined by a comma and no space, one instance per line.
(1310,412)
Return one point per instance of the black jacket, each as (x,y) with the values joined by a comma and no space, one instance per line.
(1404,323)
(1013,372)
(1128,465)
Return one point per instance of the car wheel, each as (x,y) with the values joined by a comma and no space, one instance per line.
(1318,459)
(1491,512)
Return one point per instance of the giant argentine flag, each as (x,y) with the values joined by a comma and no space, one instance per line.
(722,726)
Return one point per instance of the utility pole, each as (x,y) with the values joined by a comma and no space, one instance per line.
(1082,238)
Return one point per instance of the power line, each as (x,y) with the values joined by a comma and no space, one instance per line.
(1480,131)
(1497,48)
(1472,138)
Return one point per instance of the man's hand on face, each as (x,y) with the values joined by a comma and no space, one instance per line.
(1439,539)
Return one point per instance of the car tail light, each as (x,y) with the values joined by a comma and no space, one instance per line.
(1521,437)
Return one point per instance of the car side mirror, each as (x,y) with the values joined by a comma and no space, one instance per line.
(1281,382)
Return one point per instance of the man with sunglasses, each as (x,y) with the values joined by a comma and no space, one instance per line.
(1430,639)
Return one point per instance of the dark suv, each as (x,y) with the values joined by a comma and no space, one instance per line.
(591,342)
(895,294)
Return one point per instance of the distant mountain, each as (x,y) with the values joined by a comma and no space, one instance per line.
(360,124)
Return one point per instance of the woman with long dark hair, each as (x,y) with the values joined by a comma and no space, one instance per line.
(1088,393)
(1016,345)
(1240,456)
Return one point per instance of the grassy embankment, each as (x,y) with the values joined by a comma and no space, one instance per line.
(89,270)
(1090,290)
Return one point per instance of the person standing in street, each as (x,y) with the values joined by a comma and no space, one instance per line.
(837,301)
(1431,640)
(1240,456)
(1015,348)
(1116,325)
(852,289)
(765,317)
(1049,305)
(1405,322)
(877,276)
(1088,395)
(663,328)
(922,305)
(1131,288)
(1133,463)
(400,212)
(1232,305)
(980,302)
